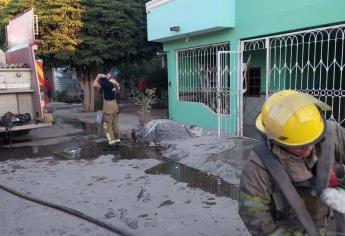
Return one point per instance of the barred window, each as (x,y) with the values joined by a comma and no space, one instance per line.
(197,74)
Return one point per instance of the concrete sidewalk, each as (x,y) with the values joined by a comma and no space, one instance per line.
(128,118)
(207,153)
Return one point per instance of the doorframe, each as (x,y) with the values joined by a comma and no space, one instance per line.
(237,74)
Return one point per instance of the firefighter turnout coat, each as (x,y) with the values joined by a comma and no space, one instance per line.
(263,208)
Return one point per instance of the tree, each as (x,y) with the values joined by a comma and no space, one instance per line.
(87,35)
(3,3)
(114,33)
(59,25)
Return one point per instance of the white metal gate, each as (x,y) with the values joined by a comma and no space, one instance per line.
(310,61)
(229,92)
(197,74)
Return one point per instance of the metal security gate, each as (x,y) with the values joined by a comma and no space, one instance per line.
(309,61)
(209,75)
(229,93)
(197,74)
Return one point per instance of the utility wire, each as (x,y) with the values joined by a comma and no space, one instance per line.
(69,211)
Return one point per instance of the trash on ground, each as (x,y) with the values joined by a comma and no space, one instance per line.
(196,130)
(162,129)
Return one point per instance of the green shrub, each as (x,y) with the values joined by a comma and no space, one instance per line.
(143,99)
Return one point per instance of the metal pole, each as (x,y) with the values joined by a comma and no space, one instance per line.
(218,92)
(267,66)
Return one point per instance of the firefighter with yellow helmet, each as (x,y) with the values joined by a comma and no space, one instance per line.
(288,180)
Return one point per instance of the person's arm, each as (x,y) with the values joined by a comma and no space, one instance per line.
(96,82)
(339,141)
(255,201)
(115,83)
(340,148)
(336,136)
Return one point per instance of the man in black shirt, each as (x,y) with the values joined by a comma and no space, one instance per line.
(111,88)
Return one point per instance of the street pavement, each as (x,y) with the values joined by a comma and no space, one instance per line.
(145,191)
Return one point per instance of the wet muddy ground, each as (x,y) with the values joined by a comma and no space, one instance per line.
(131,187)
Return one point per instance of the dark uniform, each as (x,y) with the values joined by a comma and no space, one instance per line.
(110,109)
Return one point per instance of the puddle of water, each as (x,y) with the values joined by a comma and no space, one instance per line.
(79,148)
(196,179)
(83,145)
(87,128)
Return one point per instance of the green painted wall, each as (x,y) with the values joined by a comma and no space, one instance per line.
(220,15)
(253,18)
(187,112)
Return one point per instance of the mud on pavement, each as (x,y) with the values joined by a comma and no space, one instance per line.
(132,187)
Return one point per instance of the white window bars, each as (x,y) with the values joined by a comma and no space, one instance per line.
(197,74)
(313,63)
(310,61)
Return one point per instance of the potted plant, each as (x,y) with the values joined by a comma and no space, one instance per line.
(143,99)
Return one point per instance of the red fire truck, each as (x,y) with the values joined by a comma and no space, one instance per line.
(21,77)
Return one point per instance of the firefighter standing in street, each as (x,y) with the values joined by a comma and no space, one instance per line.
(286,178)
(111,88)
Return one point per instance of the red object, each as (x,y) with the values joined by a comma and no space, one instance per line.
(333,180)
(47,86)
(141,85)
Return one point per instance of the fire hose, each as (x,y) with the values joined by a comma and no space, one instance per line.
(7,120)
(68,210)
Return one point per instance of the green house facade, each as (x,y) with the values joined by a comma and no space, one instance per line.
(225,57)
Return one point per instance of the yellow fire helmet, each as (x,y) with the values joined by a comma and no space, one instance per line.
(292,118)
